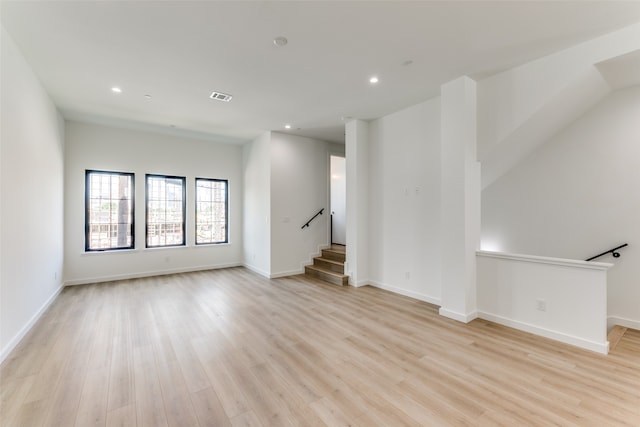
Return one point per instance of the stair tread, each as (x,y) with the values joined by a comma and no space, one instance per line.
(324,270)
(338,250)
(329,260)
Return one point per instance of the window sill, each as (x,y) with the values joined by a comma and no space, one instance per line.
(159,248)
(109,252)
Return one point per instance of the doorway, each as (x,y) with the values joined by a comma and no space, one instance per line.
(338,190)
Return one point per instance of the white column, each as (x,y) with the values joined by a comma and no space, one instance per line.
(357,171)
(460,199)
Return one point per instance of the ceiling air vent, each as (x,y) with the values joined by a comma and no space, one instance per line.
(220,96)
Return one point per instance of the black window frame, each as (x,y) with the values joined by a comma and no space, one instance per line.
(226,211)
(184,210)
(87,210)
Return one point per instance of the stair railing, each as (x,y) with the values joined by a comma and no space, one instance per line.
(312,218)
(613,252)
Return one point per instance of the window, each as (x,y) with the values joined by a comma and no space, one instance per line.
(212,196)
(165,211)
(108,211)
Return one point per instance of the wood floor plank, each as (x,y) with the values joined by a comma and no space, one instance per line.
(150,410)
(92,409)
(68,393)
(231,348)
(12,396)
(208,409)
(246,419)
(228,391)
(124,416)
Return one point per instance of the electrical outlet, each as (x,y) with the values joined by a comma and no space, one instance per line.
(541,305)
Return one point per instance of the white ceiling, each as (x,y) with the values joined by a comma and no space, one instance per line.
(180,51)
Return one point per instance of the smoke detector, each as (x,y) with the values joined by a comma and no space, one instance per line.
(220,96)
(280,41)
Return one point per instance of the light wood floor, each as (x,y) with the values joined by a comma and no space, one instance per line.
(228,347)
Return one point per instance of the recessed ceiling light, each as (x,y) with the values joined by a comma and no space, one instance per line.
(287,126)
(280,41)
(116,89)
(373,79)
(148,96)
(220,96)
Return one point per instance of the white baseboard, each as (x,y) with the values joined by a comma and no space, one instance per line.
(257,270)
(405,292)
(295,272)
(137,275)
(460,317)
(286,273)
(627,323)
(598,347)
(25,329)
(359,283)
(309,261)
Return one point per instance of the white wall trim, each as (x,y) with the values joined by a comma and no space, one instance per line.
(627,323)
(286,273)
(598,347)
(27,327)
(126,276)
(460,317)
(316,254)
(405,292)
(547,260)
(301,270)
(358,283)
(257,270)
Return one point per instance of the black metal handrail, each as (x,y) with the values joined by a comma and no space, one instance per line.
(610,251)
(312,218)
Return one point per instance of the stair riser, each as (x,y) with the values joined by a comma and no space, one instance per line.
(327,278)
(338,268)
(336,256)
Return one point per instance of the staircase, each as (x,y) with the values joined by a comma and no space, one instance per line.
(330,266)
(615,335)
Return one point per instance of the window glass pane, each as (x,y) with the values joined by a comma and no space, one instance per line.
(211,211)
(165,211)
(109,209)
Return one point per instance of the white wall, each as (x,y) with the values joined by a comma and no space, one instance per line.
(90,146)
(577,196)
(538,295)
(299,189)
(460,199)
(257,204)
(404,202)
(31,221)
(357,148)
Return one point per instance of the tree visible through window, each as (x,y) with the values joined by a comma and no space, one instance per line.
(211,211)
(165,211)
(108,211)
